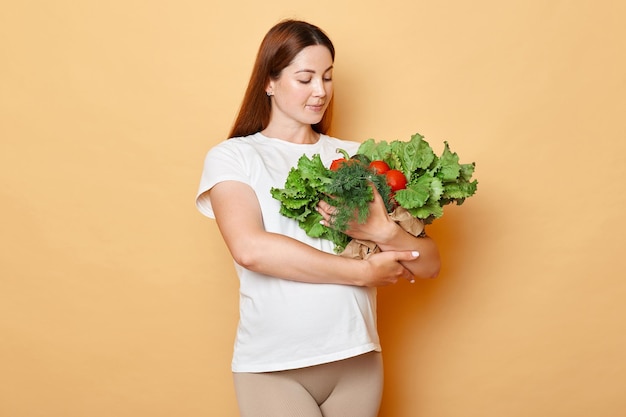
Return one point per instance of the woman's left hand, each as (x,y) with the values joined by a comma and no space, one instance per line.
(377,227)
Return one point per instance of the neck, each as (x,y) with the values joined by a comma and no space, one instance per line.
(304,135)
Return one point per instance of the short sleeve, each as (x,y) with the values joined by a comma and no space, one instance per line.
(222,163)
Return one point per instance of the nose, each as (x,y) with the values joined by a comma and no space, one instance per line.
(319,89)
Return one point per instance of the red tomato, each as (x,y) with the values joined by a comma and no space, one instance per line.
(395,179)
(380,167)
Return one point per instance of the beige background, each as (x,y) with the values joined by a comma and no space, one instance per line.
(118,299)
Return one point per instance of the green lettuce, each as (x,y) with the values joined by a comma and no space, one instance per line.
(433,181)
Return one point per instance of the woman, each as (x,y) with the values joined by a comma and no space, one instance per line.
(306,342)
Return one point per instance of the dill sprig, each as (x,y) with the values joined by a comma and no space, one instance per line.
(350,192)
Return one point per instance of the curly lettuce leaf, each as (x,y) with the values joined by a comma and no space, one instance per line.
(414,155)
(433,181)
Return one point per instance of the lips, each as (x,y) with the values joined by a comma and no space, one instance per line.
(316,107)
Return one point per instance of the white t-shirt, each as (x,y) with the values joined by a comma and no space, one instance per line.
(286,324)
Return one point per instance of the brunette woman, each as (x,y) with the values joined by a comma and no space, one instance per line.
(307,343)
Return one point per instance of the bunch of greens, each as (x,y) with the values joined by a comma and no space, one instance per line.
(347,188)
(432,182)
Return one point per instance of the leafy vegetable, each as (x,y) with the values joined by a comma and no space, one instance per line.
(431,183)
(347,187)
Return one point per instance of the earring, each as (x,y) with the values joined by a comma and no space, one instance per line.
(269,93)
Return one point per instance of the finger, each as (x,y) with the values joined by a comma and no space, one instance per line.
(325,206)
(377,195)
(408,275)
(327,218)
(408,255)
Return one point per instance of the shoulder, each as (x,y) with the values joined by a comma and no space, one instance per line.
(236,142)
(232,146)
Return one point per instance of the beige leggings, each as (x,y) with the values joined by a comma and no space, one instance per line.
(348,388)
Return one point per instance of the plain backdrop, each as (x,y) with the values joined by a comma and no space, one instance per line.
(117,298)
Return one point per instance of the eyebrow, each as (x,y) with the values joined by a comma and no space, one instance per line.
(312,71)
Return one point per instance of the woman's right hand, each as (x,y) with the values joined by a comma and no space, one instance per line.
(385,268)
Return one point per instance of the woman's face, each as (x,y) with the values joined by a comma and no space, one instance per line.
(303,91)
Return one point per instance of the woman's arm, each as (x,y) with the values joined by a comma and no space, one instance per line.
(389,236)
(239,219)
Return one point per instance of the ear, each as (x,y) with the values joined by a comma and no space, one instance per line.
(269,89)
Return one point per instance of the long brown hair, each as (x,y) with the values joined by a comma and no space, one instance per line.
(278,49)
